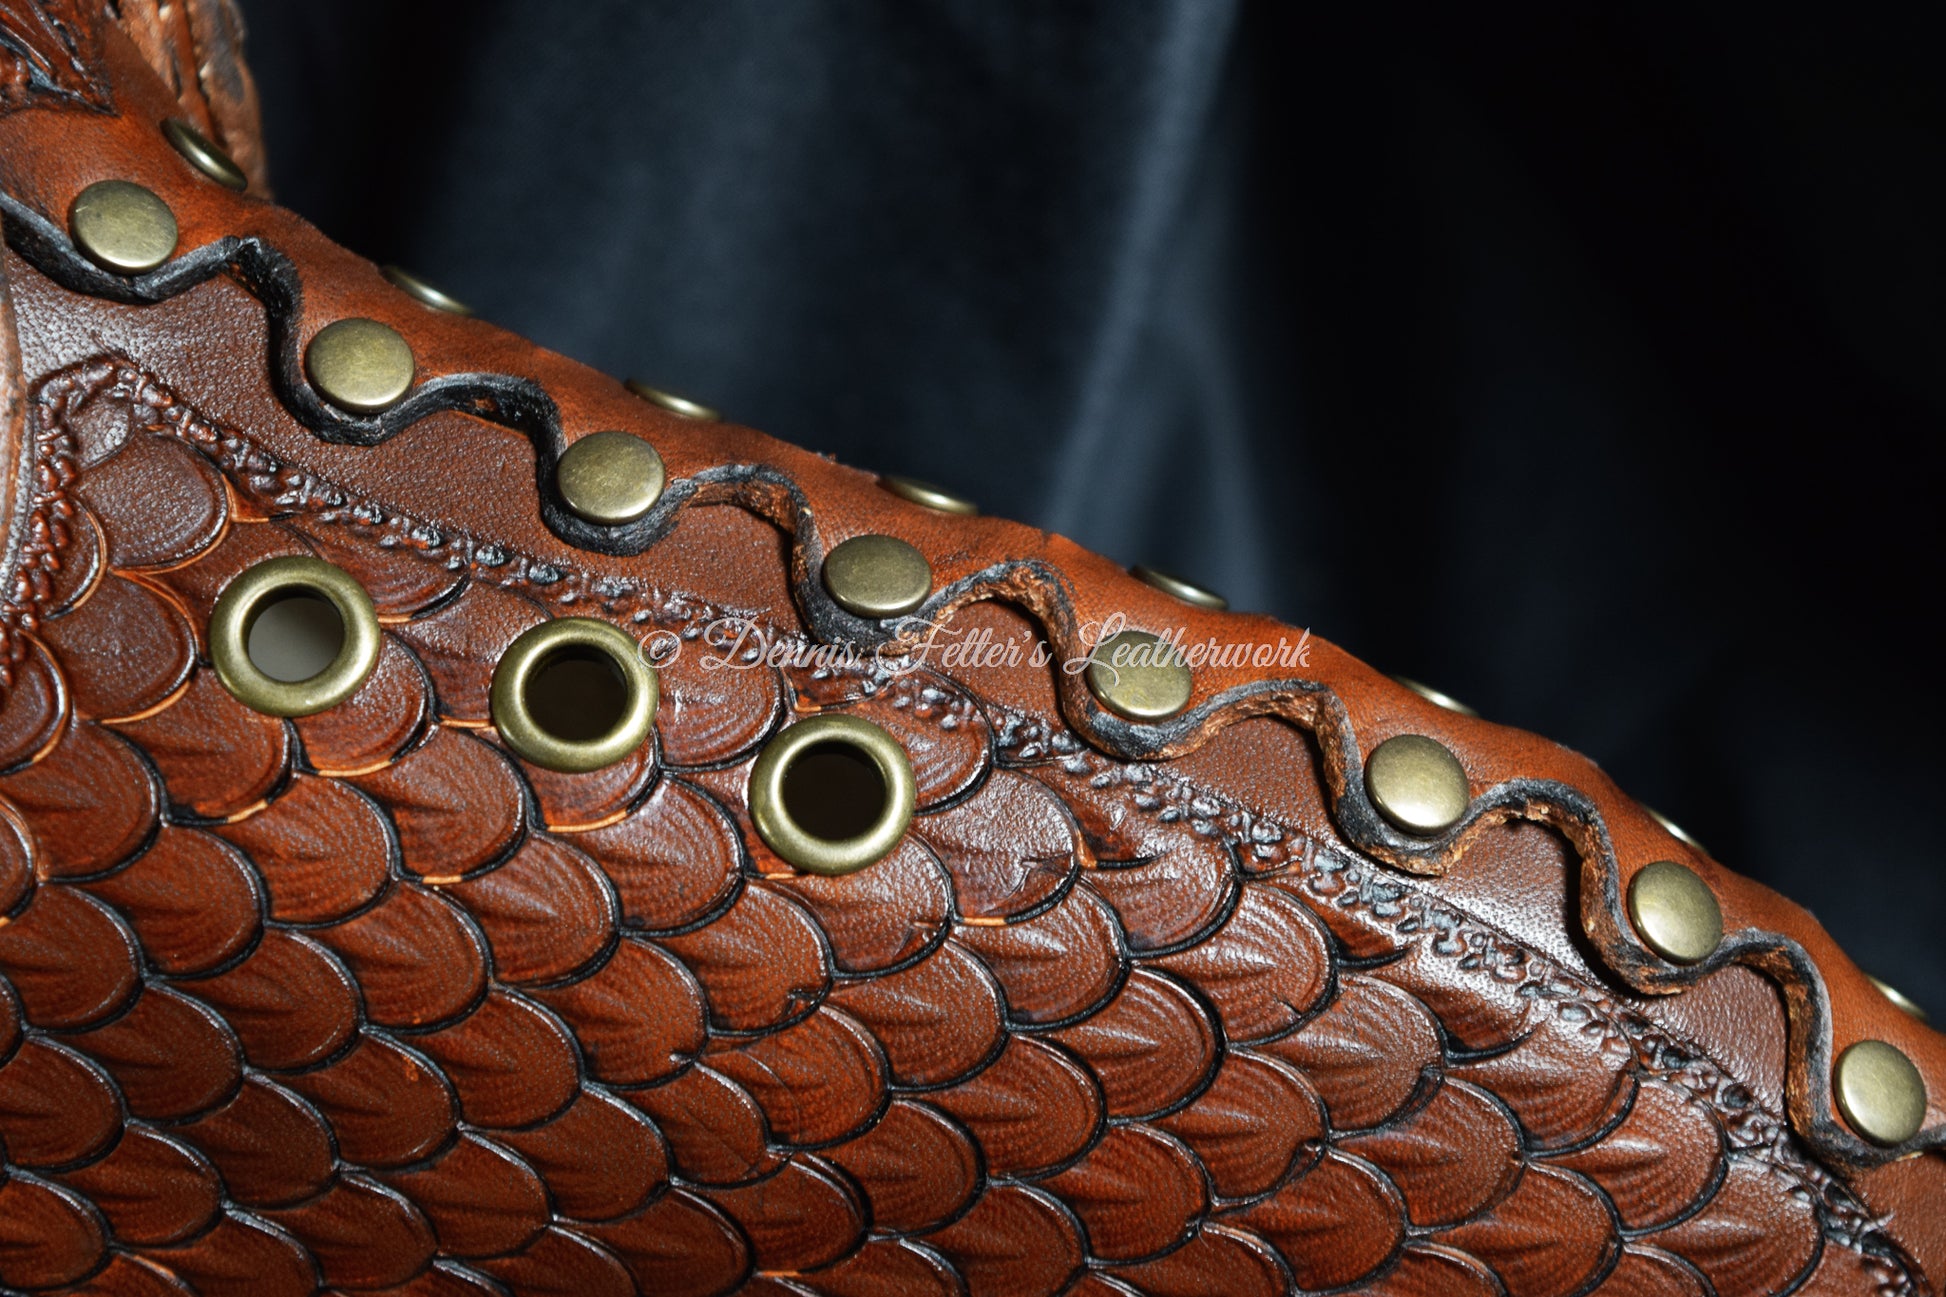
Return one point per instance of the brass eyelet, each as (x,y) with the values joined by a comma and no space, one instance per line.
(800,847)
(246,598)
(552,642)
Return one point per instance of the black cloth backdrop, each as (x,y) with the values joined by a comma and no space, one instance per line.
(1585,364)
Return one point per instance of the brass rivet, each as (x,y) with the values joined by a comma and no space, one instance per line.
(877,576)
(1139,675)
(1435,696)
(361,365)
(1899,999)
(122,227)
(204,155)
(1675,830)
(413,286)
(674,404)
(911,488)
(1675,912)
(1880,1092)
(1187,591)
(550,644)
(250,594)
(851,740)
(1417,784)
(610,477)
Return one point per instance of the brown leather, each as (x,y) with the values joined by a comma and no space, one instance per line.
(362,1001)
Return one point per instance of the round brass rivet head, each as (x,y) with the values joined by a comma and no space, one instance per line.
(269,582)
(911,488)
(204,155)
(412,285)
(361,365)
(1187,591)
(1139,675)
(877,576)
(1417,784)
(1435,697)
(1898,998)
(1880,1092)
(877,824)
(548,645)
(122,227)
(674,404)
(610,478)
(1675,912)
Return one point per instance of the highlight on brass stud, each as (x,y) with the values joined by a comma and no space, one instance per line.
(121,226)
(610,478)
(1900,1000)
(1187,591)
(1435,696)
(203,154)
(1417,784)
(674,404)
(832,794)
(1880,1092)
(932,497)
(1140,676)
(360,365)
(877,576)
(293,636)
(1675,830)
(413,286)
(1675,912)
(573,694)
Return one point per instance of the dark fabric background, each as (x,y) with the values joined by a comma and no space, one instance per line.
(1586,365)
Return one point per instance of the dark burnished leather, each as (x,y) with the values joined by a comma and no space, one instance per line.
(363,1002)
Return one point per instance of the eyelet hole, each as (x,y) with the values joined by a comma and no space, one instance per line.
(834,791)
(295,635)
(576,694)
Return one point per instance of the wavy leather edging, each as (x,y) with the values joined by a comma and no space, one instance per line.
(1039,586)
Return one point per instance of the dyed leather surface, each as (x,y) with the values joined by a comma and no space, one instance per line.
(361,1002)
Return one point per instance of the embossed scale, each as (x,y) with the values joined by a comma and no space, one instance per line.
(723,1074)
(366,1001)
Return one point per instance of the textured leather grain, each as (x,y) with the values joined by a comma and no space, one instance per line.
(362,1002)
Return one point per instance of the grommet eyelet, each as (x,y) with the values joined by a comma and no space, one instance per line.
(413,286)
(1417,783)
(573,695)
(201,153)
(932,497)
(123,227)
(275,588)
(832,794)
(674,404)
(1187,591)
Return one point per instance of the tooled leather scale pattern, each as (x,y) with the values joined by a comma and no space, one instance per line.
(373,1006)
